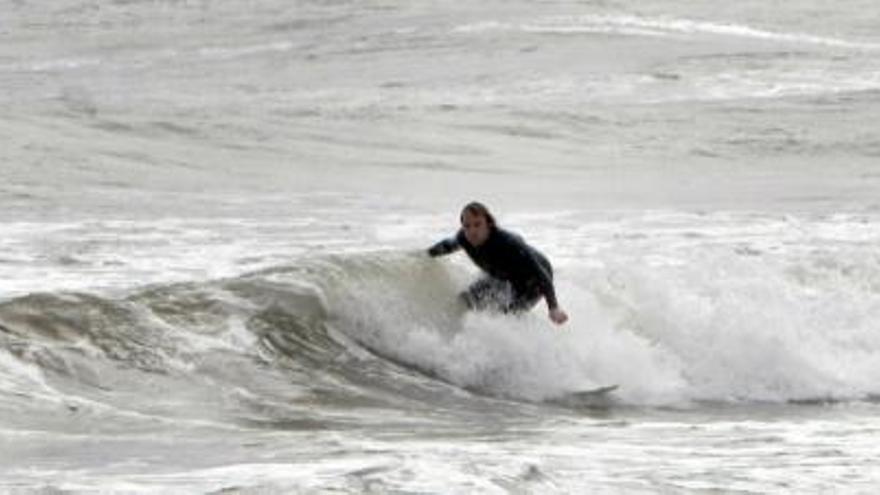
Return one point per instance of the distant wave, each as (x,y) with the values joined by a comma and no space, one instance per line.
(643,26)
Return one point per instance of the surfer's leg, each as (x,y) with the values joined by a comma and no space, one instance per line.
(522,301)
(487,293)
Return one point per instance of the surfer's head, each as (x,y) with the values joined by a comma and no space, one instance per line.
(477,222)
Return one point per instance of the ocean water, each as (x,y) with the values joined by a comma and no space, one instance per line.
(214,217)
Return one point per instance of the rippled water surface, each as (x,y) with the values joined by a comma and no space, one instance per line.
(214,216)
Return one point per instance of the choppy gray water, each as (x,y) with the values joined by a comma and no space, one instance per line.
(213,217)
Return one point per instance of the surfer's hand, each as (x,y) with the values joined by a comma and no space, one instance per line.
(558,316)
(435,251)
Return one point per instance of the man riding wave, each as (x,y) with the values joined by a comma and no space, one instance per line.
(517,275)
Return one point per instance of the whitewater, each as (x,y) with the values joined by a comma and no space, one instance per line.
(215,217)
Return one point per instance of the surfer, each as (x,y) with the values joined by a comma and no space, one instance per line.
(518,275)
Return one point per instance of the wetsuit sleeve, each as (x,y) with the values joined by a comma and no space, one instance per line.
(445,246)
(537,270)
(545,279)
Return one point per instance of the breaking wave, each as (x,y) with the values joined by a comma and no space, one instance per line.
(381,329)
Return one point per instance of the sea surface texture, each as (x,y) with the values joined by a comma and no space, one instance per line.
(214,218)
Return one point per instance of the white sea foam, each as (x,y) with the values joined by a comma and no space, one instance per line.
(688,310)
(21,378)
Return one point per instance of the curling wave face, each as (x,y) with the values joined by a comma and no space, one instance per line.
(310,342)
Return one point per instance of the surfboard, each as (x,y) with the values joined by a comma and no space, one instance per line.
(593,392)
(590,398)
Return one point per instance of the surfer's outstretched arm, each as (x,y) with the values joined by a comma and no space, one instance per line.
(445,246)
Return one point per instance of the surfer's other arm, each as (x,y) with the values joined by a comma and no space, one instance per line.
(539,271)
(542,273)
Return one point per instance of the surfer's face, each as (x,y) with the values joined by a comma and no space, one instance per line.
(476,228)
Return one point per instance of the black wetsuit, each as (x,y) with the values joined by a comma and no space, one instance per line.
(519,275)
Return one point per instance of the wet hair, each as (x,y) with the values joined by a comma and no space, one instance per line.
(478,209)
